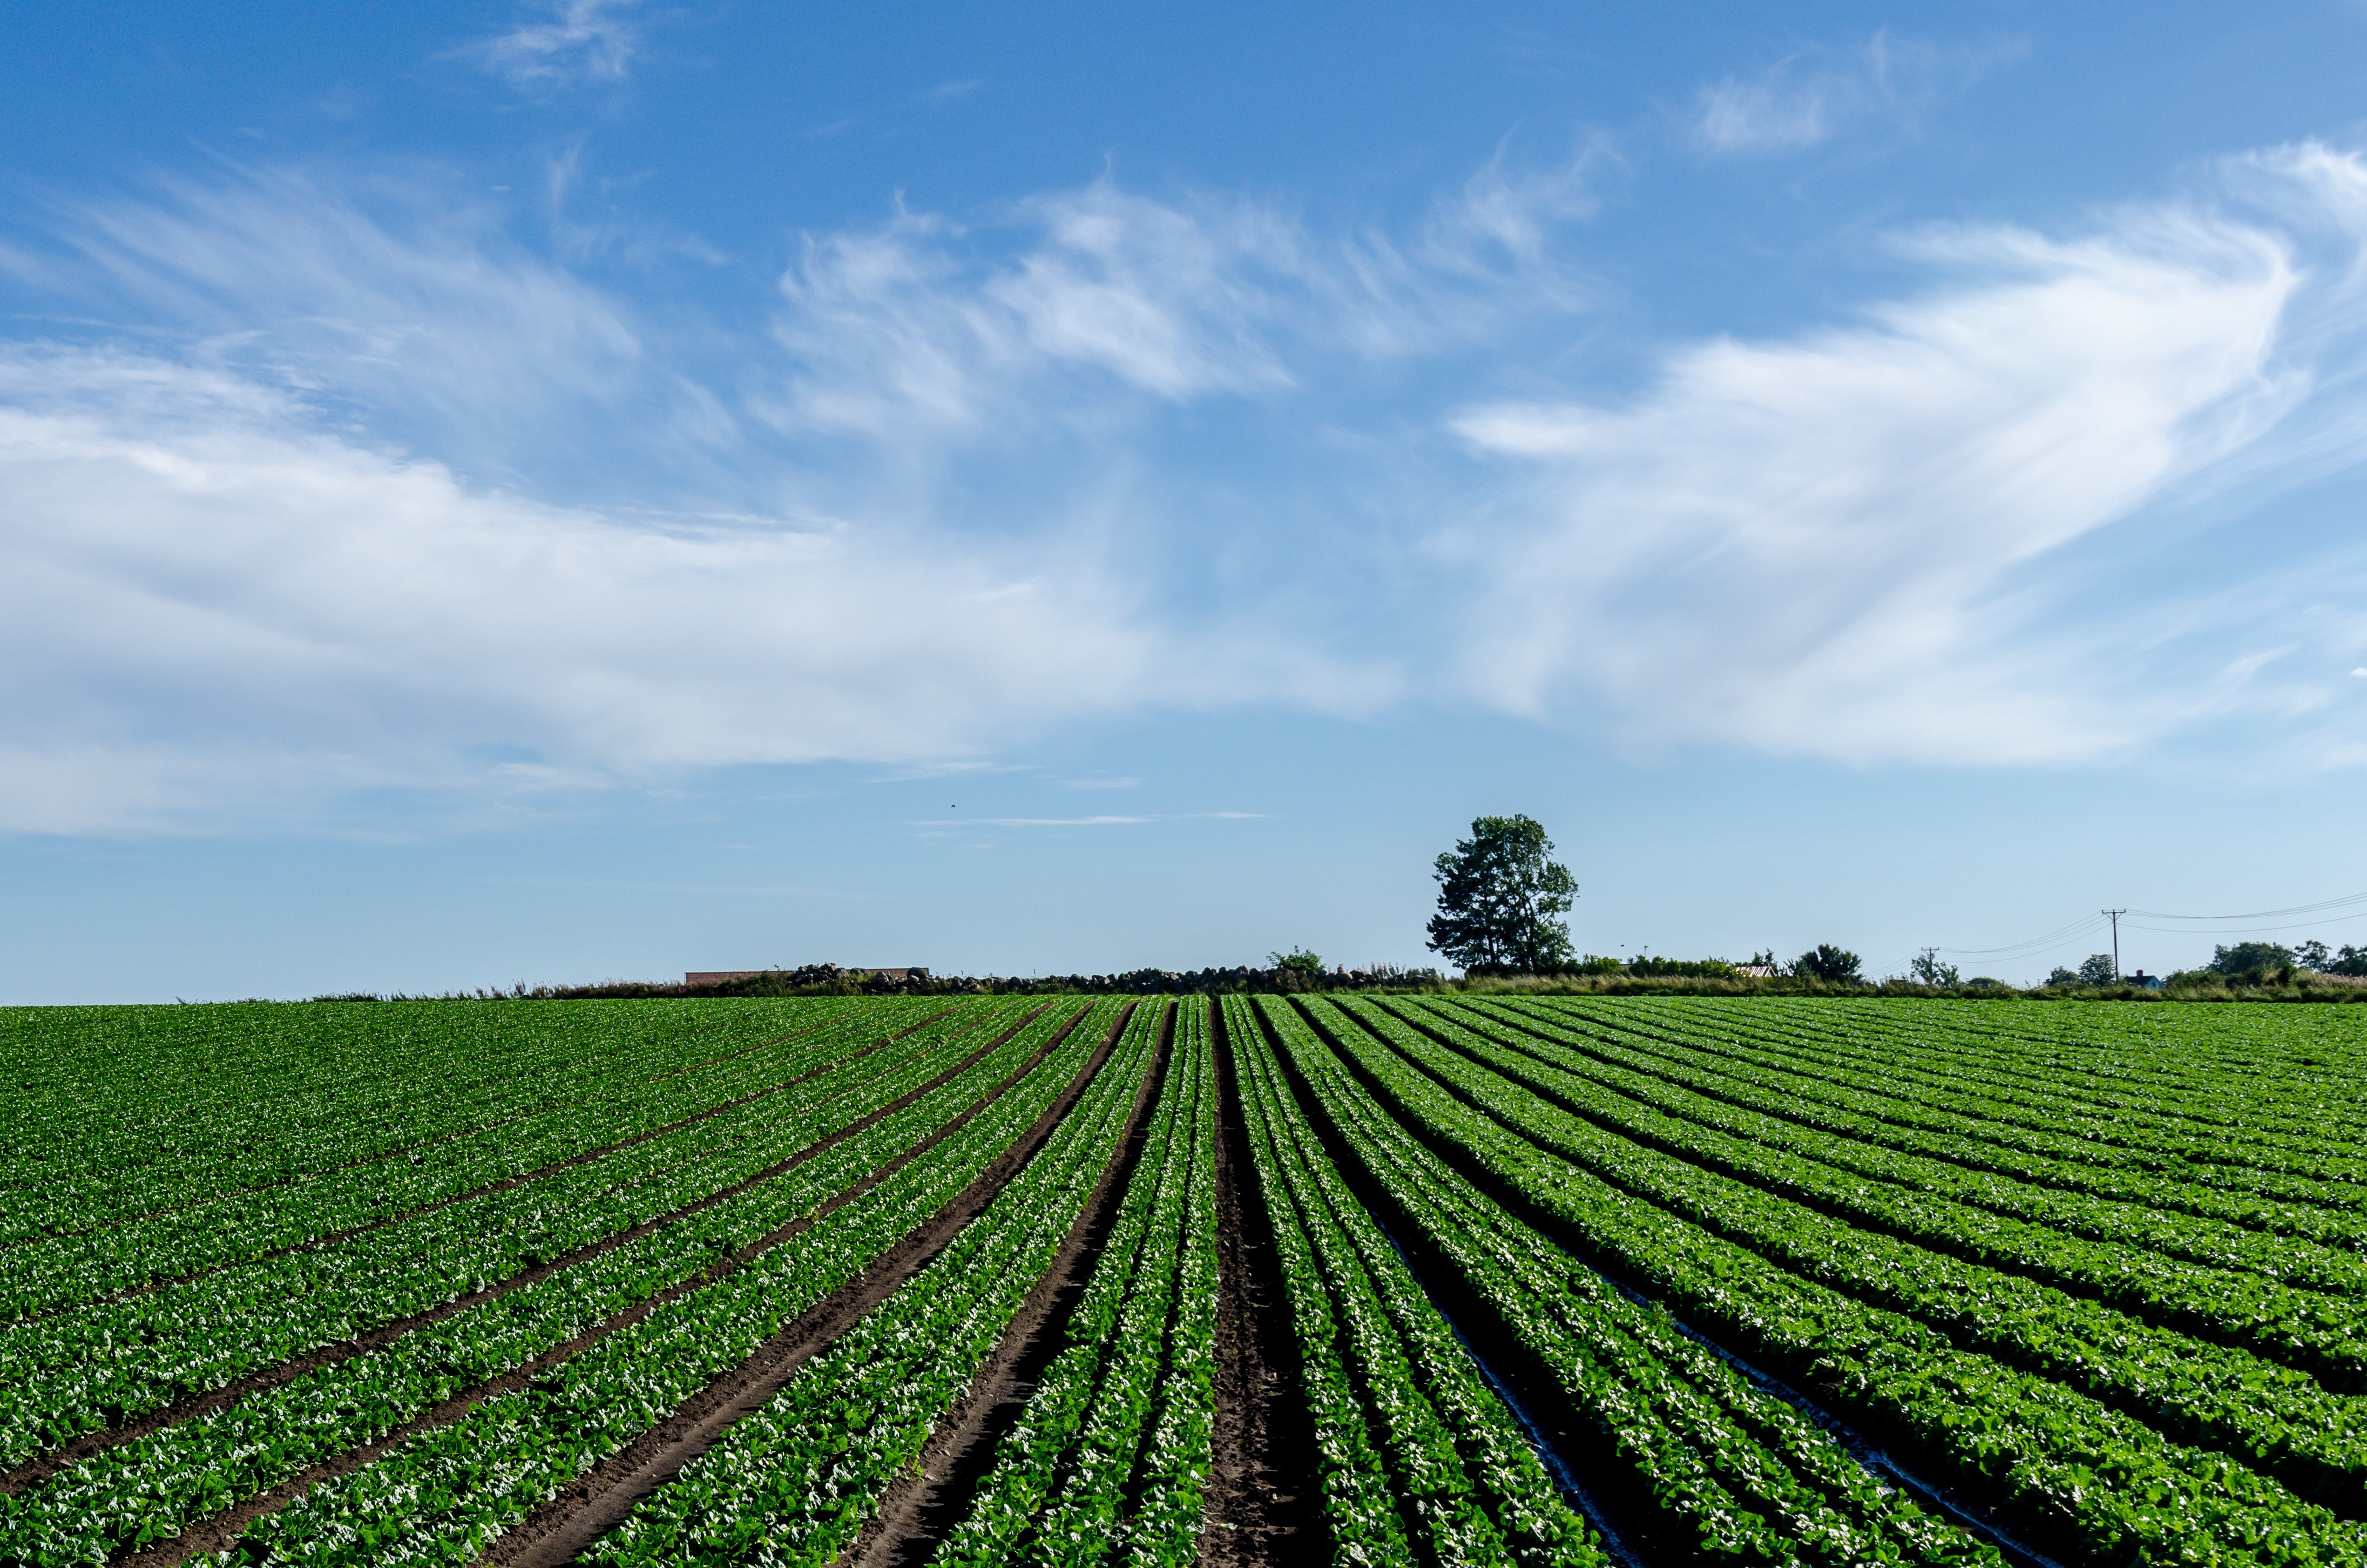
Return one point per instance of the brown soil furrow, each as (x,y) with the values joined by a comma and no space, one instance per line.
(569,1524)
(222,1530)
(1261,1505)
(122,1220)
(36,1471)
(488,1190)
(919,1510)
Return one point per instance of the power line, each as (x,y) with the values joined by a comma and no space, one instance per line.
(2343,902)
(2248,930)
(2353,907)
(2060,937)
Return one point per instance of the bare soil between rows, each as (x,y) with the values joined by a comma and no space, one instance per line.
(222,1530)
(493,1188)
(918,1511)
(564,1527)
(1261,1506)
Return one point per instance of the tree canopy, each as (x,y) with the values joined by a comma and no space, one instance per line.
(2251,961)
(1836,966)
(1500,897)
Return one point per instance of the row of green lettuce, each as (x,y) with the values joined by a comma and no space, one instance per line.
(2091,1481)
(119,1112)
(1110,1455)
(1853,1087)
(639,1098)
(682,1264)
(104,1366)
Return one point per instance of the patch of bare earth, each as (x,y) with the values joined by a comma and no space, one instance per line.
(1262,1504)
(563,1528)
(222,1530)
(919,1510)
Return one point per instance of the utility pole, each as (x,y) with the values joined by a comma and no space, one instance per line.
(2114,916)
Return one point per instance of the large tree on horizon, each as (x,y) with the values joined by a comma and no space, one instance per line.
(1500,899)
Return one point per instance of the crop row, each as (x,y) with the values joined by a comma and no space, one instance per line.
(111,1364)
(2222,1398)
(2100,1482)
(1755,1081)
(1730,1470)
(300,1090)
(1876,1052)
(1132,1366)
(1419,1459)
(445,1493)
(2324,1335)
(2074,1104)
(2178,1056)
(1727,1103)
(1171,1473)
(47,1276)
(796,1480)
(2027,1124)
(153,1486)
(2235,1069)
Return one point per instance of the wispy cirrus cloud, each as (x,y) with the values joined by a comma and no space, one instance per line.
(904,329)
(1808,97)
(303,532)
(397,301)
(209,606)
(923,325)
(1861,541)
(563,42)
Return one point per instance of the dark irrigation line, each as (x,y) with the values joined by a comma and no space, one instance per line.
(1517,1392)
(1967,1514)
(1526,1389)
(1964,1512)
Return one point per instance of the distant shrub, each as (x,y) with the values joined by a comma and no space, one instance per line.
(2252,961)
(1834,966)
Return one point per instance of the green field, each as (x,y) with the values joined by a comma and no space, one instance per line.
(1433,1279)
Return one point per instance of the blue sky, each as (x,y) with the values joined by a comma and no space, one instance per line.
(540,493)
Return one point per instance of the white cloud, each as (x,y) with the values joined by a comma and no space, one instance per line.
(920,328)
(1808,97)
(1769,113)
(570,40)
(207,608)
(295,540)
(397,303)
(1858,542)
(899,329)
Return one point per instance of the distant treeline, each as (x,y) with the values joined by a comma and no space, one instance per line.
(1593,975)
(829,980)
